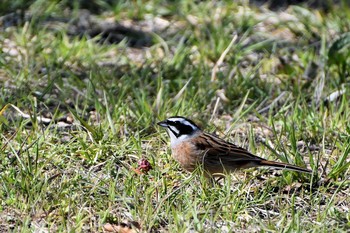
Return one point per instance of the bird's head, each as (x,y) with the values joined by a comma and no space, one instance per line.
(179,128)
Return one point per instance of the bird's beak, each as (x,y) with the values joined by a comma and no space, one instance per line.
(163,123)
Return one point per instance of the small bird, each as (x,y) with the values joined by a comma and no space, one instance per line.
(192,147)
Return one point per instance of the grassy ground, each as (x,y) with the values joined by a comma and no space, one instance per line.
(275,83)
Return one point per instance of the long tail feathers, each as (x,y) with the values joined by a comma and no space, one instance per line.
(283,166)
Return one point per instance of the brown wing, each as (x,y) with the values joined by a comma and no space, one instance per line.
(221,156)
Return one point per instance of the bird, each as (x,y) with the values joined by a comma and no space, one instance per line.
(191,147)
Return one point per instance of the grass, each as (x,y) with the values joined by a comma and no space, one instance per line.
(271,94)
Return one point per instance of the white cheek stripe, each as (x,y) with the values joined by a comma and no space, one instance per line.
(176,140)
(173,130)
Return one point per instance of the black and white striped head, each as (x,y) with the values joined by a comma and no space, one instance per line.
(179,128)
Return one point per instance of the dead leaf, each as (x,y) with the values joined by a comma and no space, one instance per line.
(118,228)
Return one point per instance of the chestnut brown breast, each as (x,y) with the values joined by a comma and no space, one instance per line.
(185,154)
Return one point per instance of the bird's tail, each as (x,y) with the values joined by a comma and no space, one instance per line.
(283,166)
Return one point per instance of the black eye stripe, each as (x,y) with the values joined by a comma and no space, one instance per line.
(174,123)
(185,129)
(182,128)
